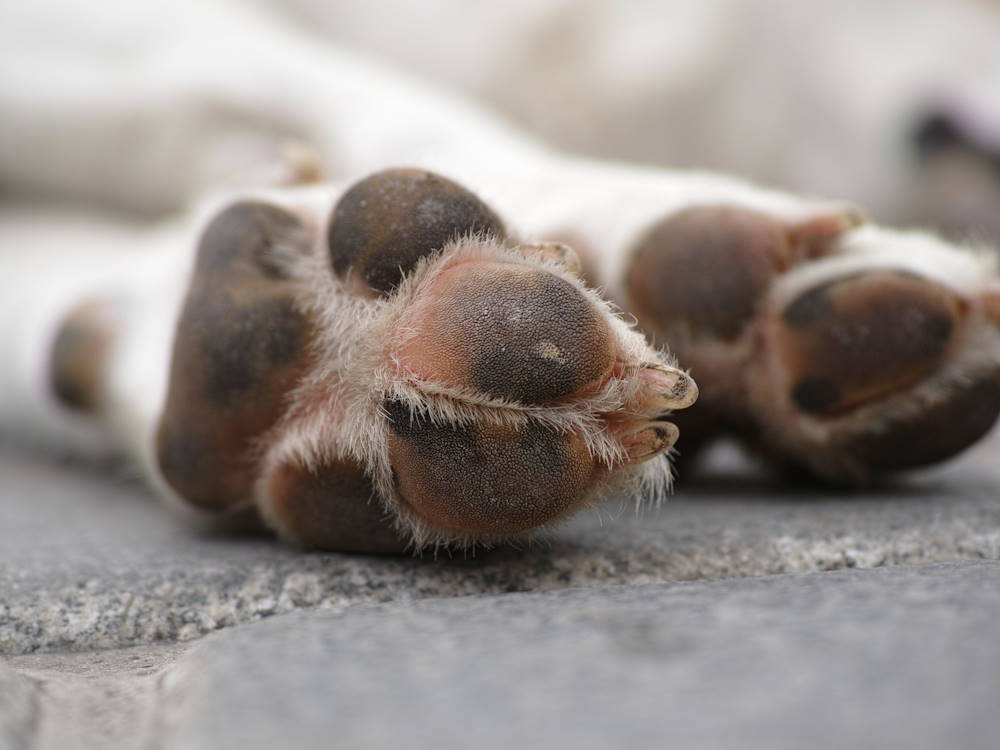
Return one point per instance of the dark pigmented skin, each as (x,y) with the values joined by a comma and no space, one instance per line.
(388,221)
(814,305)
(816,394)
(331,507)
(240,348)
(934,434)
(514,363)
(245,236)
(706,269)
(267,336)
(485,480)
(78,357)
(512,332)
(848,342)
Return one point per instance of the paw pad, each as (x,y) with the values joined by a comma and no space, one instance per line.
(485,479)
(387,222)
(330,506)
(511,332)
(858,338)
(706,269)
(240,346)
(78,357)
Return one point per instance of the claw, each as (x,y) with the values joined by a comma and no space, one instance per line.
(557,252)
(666,388)
(812,238)
(648,440)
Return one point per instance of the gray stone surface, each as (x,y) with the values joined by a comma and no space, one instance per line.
(890,658)
(90,563)
(18,710)
(886,658)
(103,700)
(671,629)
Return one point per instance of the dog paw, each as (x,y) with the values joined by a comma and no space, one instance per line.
(849,350)
(406,372)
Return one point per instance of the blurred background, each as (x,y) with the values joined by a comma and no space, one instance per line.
(893,105)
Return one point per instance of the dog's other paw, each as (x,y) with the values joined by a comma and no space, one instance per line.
(852,351)
(408,374)
(883,358)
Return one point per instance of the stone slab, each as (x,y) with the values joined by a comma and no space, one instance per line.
(100,700)
(19,698)
(91,562)
(899,657)
(896,657)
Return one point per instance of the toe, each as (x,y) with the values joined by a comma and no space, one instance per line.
(508,331)
(702,273)
(387,222)
(79,356)
(331,505)
(240,347)
(486,480)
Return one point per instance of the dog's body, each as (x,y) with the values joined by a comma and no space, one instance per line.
(815,97)
(848,350)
